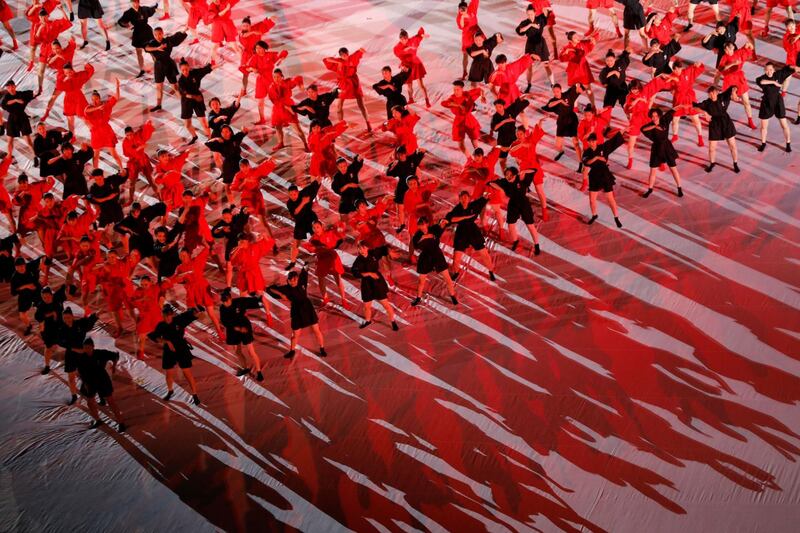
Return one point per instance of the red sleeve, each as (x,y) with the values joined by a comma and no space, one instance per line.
(356,56)
(263,27)
(4,166)
(265,168)
(333,64)
(146,132)
(472,8)
(514,70)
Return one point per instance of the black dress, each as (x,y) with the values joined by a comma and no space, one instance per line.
(348,197)
(402,170)
(138,228)
(142,32)
(173,333)
(772,104)
(71,172)
(90,9)
(661,150)
(230,231)
(720,127)
(95,380)
(26,298)
(192,101)
(304,219)
(632,14)
(467,233)
(482,67)
(223,118)
(238,328)
(164,66)
(45,148)
(110,210)
(71,338)
(600,177)
(717,42)
(167,252)
(567,119)
(533,30)
(17,124)
(49,316)
(616,86)
(371,289)
(7,245)
(319,109)
(431,258)
(231,152)
(301,310)
(518,204)
(660,60)
(507,133)
(392,91)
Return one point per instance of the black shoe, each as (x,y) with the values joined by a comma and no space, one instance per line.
(169,395)
(736,167)
(514,245)
(102,402)
(453,299)
(84,45)
(591,220)
(72,16)
(395,327)
(647,193)
(415,302)
(72,399)
(322,352)
(35,162)
(195,399)
(108,45)
(95,424)
(762,147)
(259,376)
(364,324)
(290,265)
(2,129)
(242,372)
(192,140)
(491,276)
(46,370)
(528,89)
(155,108)
(536,249)
(289,354)
(580,167)
(710,167)
(797,120)
(400,228)
(454,275)
(558,155)
(680,192)
(617,221)
(688,27)
(141,73)
(788,147)
(122,427)
(275,249)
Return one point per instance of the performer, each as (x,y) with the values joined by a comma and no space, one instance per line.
(612,77)
(134,147)
(97,116)
(244,259)
(249,35)
(301,210)
(401,167)
(6,205)
(732,68)
(46,144)
(406,52)
(5,17)
(723,34)
(504,124)
(68,168)
(791,44)
(280,94)
(431,259)
(659,25)
(481,53)
(346,68)
(317,107)
(229,146)
(91,9)
(402,125)
(345,183)
(84,262)
(593,6)
(135,228)
(720,126)
(8,245)
(323,152)
(467,233)
(170,334)
(772,4)
(637,107)
(71,84)
(417,203)
(247,182)
(49,310)
(26,287)
(263,63)
(659,58)
(467,22)
(563,105)
(391,88)
(49,220)
(44,32)
(196,12)
(230,227)
(147,299)
(71,334)
(661,150)
(28,197)
(191,274)
(114,275)
(593,122)
(323,243)
(222,27)
(693,5)
(137,18)
(164,67)
(366,267)
(742,10)
(302,313)
(532,28)
(682,84)
(632,20)
(239,330)
(771,83)
(17,124)
(168,179)
(574,55)
(192,101)
(105,193)
(503,81)
(165,249)
(75,227)
(462,104)
(219,116)
(481,167)
(516,188)
(524,151)
(597,173)
(366,222)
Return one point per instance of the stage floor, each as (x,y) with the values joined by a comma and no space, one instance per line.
(642,379)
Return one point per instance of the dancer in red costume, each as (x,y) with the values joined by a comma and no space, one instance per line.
(244,261)
(402,125)
(462,104)
(167,176)
(223,30)
(637,106)
(114,277)
(147,299)
(5,198)
(732,68)
(467,22)
(47,31)
(49,219)
(75,227)
(682,83)
(480,168)
(791,43)
(196,12)
(593,122)
(346,68)
(280,94)
(524,151)
(659,26)
(417,204)
(70,82)
(503,81)
(191,274)
(323,152)
(366,222)
(247,182)
(84,263)
(740,9)
(574,55)
(323,243)
(134,148)
(97,116)
(28,197)
(249,35)
(406,52)
(593,6)
(263,63)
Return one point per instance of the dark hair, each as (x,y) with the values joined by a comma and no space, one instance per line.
(501,59)
(343,50)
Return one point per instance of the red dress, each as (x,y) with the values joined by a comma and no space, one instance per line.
(5,12)
(598,4)
(683,95)
(637,105)
(347,72)
(102,136)
(367,225)
(85,263)
(29,202)
(280,94)
(323,153)
(116,283)
(324,247)
(49,220)
(403,128)
(504,79)
(32,14)
(70,234)
(483,173)
(468,24)
(197,231)
(524,151)
(741,9)
(133,148)
(192,276)
(407,54)
(791,43)
(663,31)
(168,179)
(595,125)
(265,65)
(148,303)
(57,60)
(46,33)
(222,27)
(248,182)
(249,39)
(198,10)
(574,55)
(417,203)
(246,263)
(74,101)
(733,76)
(464,123)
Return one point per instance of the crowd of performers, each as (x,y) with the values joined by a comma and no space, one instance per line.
(128,254)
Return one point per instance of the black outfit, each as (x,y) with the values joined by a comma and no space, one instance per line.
(26,298)
(71,338)
(349,197)
(518,204)
(720,127)
(95,380)
(468,234)
(7,245)
(661,150)
(616,86)
(507,133)
(230,231)
(17,124)
(431,258)
(110,210)
(142,32)
(173,333)
(717,42)
(164,66)
(482,67)
(191,96)
(600,177)
(371,289)
(301,310)
(772,104)
(217,120)
(49,316)
(234,318)
(402,170)
(90,9)
(660,60)
(567,120)
(533,30)
(72,171)
(231,152)
(632,14)
(45,148)
(167,253)
(393,91)
(306,217)
(138,228)
(321,107)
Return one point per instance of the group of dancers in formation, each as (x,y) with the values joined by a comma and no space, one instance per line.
(137,248)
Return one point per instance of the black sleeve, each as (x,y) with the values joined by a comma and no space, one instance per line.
(725,96)
(624,60)
(158,209)
(519,27)
(479,204)
(185,318)
(310,191)
(156,333)
(356,267)
(709,44)
(355,166)
(303,281)
(417,237)
(107,356)
(276,291)
(401,77)
(733,29)
(149,11)
(604,76)
(613,143)
(203,71)
(672,47)
(783,73)
(517,107)
(177,38)
(126,17)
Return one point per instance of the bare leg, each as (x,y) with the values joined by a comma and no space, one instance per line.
(363,109)
(187,372)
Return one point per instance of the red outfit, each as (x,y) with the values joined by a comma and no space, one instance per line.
(683,95)
(637,104)
(249,39)
(245,261)
(192,276)
(168,178)
(5,12)
(280,94)
(85,263)
(663,31)
(148,303)
(524,151)
(323,153)
(574,55)
(347,72)
(483,173)
(417,203)
(264,65)
(366,225)
(198,10)
(595,125)
(733,75)
(32,14)
(741,9)
(46,33)
(464,123)
(222,27)
(468,24)
(782,3)
(598,4)
(72,86)
(248,182)
(791,43)
(403,128)
(504,79)
(197,230)
(538,8)
(29,202)
(133,147)
(102,136)
(116,283)
(49,220)
(59,59)
(407,54)
(70,234)
(324,247)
